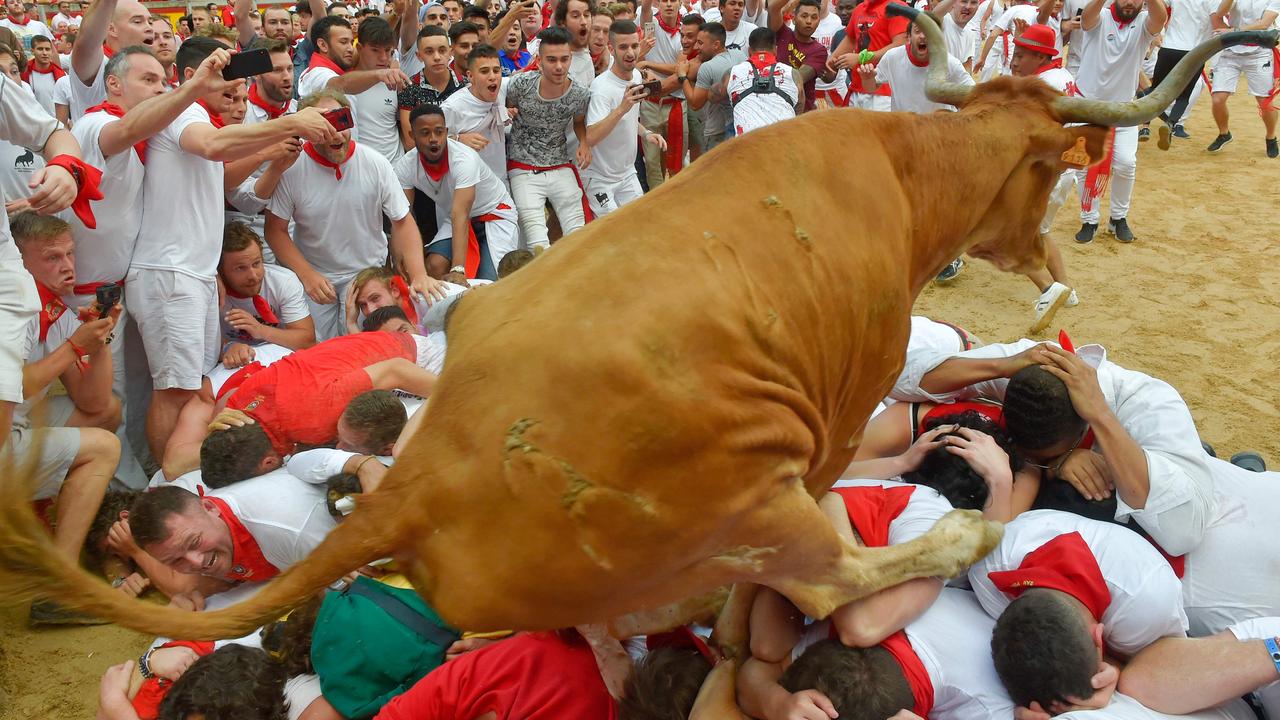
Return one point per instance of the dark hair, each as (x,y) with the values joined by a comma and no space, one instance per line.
(233,682)
(1043,650)
(475,11)
(562,11)
(1037,410)
(287,641)
(320,29)
(862,683)
(693,19)
(816,4)
(513,261)
(231,455)
(432,31)
(425,109)
(149,514)
(37,39)
(237,236)
(302,8)
(622,27)
(378,416)
(482,51)
(337,487)
(554,35)
(459,29)
(383,315)
(193,51)
(113,503)
(951,474)
(762,38)
(664,685)
(715,30)
(376,31)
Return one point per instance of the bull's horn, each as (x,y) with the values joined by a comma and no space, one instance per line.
(1136,112)
(936,86)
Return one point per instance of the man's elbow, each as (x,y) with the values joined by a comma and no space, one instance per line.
(859,632)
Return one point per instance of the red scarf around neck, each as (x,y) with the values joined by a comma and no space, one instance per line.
(314,154)
(260,306)
(914,61)
(248,562)
(51,308)
(406,299)
(1066,564)
(671,30)
(273,111)
(763,60)
(115,110)
(214,118)
(1051,65)
(23,22)
(322,60)
(436,170)
(899,646)
(54,70)
(1115,15)
(871,509)
(107,52)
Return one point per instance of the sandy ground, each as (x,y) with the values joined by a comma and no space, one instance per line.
(1195,301)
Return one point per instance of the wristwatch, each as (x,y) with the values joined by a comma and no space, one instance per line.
(682,78)
(458,268)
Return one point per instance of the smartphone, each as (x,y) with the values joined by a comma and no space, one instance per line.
(108,296)
(247,64)
(339,118)
(653,86)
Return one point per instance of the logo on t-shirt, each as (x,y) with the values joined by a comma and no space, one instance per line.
(253,405)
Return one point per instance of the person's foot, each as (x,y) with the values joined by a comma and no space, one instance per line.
(1273,149)
(1209,449)
(1181,133)
(1086,233)
(1120,228)
(950,272)
(48,612)
(1072,300)
(1048,304)
(1165,137)
(1144,134)
(1249,460)
(1218,142)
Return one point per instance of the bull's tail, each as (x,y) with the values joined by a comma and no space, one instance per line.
(30,567)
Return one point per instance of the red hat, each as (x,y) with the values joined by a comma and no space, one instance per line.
(1040,39)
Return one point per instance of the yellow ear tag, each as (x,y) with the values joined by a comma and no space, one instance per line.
(1077,156)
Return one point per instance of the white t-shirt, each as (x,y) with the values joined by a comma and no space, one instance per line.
(43,86)
(466,113)
(1112,58)
(62,94)
(264,354)
(84,96)
(825,32)
(339,221)
(103,253)
(614,157)
(283,292)
(1188,24)
(286,517)
(907,81)
(1247,12)
(581,69)
(314,79)
(17,165)
(182,201)
(377,116)
(756,110)
(736,39)
(1146,597)
(25,32)
(962,40)
(34,350)
(23,123)
(466,169)
(666,47)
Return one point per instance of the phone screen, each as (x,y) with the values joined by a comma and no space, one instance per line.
(247,64)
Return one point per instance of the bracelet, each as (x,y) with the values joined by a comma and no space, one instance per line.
(144,666)
(1274,649)
(362,462)
(458,268)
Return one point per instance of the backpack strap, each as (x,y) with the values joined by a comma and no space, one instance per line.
(404,613)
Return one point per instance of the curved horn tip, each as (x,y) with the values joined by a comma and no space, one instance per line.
(895,8)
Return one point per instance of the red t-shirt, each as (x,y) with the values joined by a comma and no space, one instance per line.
(869,19)
(299,398)
(792,51)
(533,676)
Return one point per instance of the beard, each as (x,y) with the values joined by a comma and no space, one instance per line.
(1126,14)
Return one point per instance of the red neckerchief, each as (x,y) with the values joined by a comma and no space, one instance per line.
(173,76)
(918,63)
(314,154)
(871,509)
(691,55)
(51,308)
(272,111)
(260,306)
(671,30)
(1115,15)
(54,70)
(899,646)
(321,60)
(763,60)
(24,22)
(435,171)
(115,110)
(1051,65)
(406,299)
(107,52)
(248,561)
(87,178)
(1066,564)
(214,118)
(681,638)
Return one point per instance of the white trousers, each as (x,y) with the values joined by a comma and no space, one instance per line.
(605,196)
(1124,168)
(532,190)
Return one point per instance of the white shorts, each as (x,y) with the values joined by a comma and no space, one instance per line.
(865,101)
(1255,66)
(605,196)
(19,302)
(51,449)
(177,317)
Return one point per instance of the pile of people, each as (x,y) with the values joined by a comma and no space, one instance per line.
(228,266)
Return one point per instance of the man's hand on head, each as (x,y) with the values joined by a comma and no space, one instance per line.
(1081,381)
(230,418)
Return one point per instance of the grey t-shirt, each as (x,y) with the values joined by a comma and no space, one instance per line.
(538,133)
(718,112)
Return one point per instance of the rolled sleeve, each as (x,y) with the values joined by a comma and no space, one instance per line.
(317,466)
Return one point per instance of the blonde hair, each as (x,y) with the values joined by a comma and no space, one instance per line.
(314,98)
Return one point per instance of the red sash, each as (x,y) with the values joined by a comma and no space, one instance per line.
(249,562)
(406,298)
(272,111)
(1066,564)
(675,134)
(871,510)
(913,670)
(214,118)
(51,308)
(260,306)
(91,288)
(87,178)
(586,209)
(115,110)
(54,70)
(314,154)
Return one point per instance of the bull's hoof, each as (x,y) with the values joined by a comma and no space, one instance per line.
(964,538)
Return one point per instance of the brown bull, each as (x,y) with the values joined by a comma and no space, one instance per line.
(648,411)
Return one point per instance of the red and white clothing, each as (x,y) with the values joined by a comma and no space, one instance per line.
(833,93)
(1123,580)
(337,212)
(754,110)
(929,339)
(243,204)
(280,301)
(1060,79)
(283,520)
(466,113)
(869,19)
(1007,24)
(26,30)
(317,75)
(532,676)
(1256,64)
(43,84)
(906,76)
(916,508)
(611,180)
(85,96)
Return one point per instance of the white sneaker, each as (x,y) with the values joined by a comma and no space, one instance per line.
(1048,304)
(1073,301)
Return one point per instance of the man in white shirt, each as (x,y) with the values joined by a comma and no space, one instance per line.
(1256,64)
(737,32)
(375,109)
(43,71)
(1116,40)
(172,276)
(763,91)
(575,17)
(613,124)
(262,303)
(477,115)
(475,214)
(335,56)
(903,68)
(109,26)
(63,20)
(1189,25)
(337,195)
(665,115)
(22,24)
(961,37)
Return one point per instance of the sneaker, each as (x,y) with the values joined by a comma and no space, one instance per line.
(1273,149)
(1218,142)
(1086,233)
(950,272)
(1249,460)
(1048,305)
(1120,228)
(1072,300)
(1144,134)
(1181,133)
(1165,137)
(48,612)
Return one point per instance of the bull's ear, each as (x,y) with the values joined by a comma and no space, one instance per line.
(1081,146)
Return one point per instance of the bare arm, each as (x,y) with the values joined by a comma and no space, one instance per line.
(1044,11)
(646,13)
(942,8)
(1158,15)
(1092,15)
(776,8)
(63,113)
(318,10)
(1183,675)
(86,54)
(354,82)
(867,622)
(149,117)
(243,25)
(237,141)
(402,374)
(1268,19)
(296,335)
(409,27)
(406,248)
